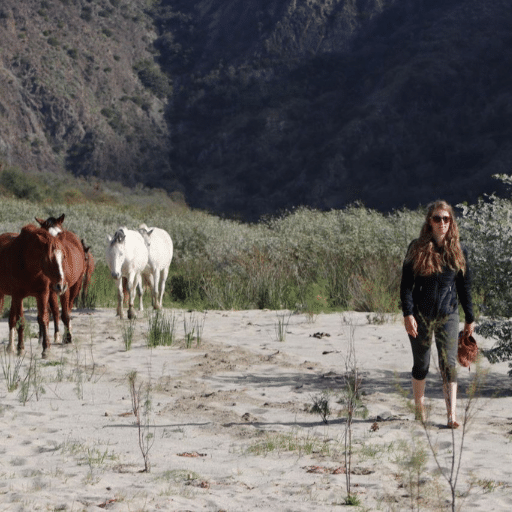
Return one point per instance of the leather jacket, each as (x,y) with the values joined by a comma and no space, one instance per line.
(436,295)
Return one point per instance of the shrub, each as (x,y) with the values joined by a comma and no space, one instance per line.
(153,78)
(488,229)
(21,185)
(86,14)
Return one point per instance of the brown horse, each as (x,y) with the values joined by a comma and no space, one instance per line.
(74,270)
(31,264)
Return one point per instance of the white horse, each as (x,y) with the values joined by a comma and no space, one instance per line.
(127,257)
(160,250)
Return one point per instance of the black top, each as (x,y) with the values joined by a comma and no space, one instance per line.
(435,295)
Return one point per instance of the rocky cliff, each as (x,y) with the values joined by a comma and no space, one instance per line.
(253,107)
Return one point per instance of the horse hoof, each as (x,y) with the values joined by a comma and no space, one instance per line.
(21,352)
(131,314)
(45,354)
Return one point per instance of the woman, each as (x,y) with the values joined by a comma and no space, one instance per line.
(435,272)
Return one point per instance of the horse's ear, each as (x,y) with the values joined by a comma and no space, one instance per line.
(149,232)
(85,248)
(39,221)
(60,220)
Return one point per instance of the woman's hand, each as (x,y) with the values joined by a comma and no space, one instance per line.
(469,328)
(411,326)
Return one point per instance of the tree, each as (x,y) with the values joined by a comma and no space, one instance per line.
(487,230)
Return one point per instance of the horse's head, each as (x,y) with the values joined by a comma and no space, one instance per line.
(146,234)
(46,253)
(51,224)
(116,252)
(86,249)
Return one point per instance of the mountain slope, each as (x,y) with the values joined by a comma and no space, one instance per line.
(392,103)
(70,96)
(253,107)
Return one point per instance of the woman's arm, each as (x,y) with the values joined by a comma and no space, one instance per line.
(406,287)
(463,285)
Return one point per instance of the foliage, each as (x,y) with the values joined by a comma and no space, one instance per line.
(304,260)
(153,78)
(11,369)
(142,410)
(20,185)
(285,115)
(321,405)
(488,228)
(161,329)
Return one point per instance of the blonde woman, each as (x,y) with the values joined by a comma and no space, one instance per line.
(435,277)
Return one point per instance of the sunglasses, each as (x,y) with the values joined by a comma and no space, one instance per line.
(437,219)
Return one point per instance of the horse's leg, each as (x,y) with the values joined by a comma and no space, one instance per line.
(163,279)
(43,319)
(65,302)
(21,330)
(125,291)
(74,291)
(133,281)
(156,289)
(120,297)
(54,308)
(72,294)
(140,291)
(14,317)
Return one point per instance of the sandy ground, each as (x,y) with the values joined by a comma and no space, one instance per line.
(231,424)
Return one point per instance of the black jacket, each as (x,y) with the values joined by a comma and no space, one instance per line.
(435,296)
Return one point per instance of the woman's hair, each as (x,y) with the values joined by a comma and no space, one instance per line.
(423,252)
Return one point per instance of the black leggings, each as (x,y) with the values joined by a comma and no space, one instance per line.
(446,332)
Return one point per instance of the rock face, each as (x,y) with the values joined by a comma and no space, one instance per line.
(249,108)
(71,97)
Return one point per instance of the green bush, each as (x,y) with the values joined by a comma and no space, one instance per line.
(21,185)
(86,14)
(304,260)
(53,41)
(153,78)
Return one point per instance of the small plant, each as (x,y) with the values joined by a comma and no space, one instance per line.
(141,406)
(289,442)
(351,392)
(321,406)
(11,367)
(352,500)
(31,385)
(412,459)
(455,449)
(161,329)
(281,326)
(376,318)
(193,328)
(127,330)
(84,371)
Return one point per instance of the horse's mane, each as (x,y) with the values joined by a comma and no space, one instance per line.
(119,237)
(41,233)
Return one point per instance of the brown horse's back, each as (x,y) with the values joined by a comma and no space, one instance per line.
(75,257)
